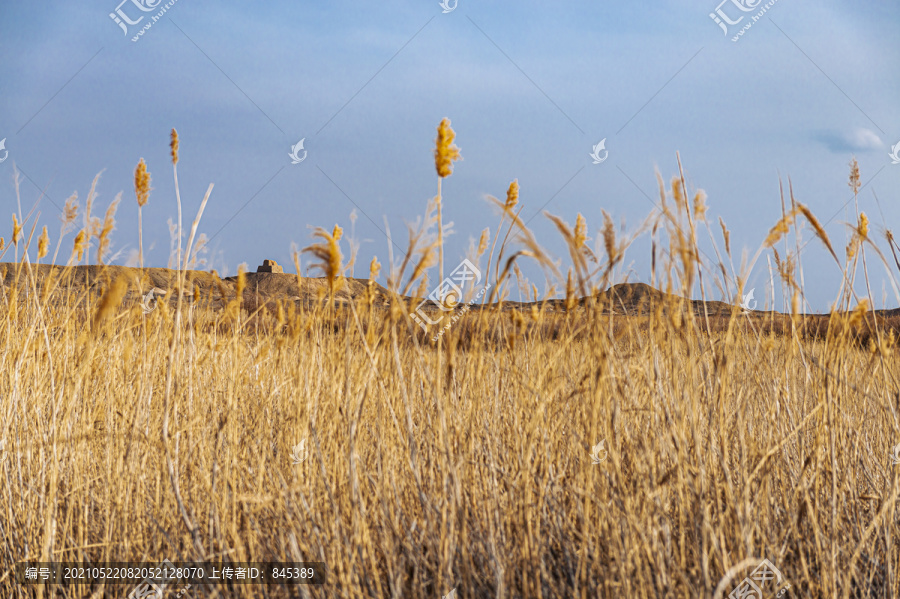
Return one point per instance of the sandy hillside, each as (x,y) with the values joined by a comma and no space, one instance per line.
(632,299)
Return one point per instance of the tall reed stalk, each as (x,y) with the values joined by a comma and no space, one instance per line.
(142,193)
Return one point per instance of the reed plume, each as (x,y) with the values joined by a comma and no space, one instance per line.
(512,198)
(781,228)
(109,223)
(43,243)
(445,153)
(726,235)
(91,223)
(329,254)
(78,246)
(818,228)
(482,243)
(70,213)
(575,241)
(853,181)
(109,302)
(861,230)
(426,261)
(374,269)
(142,193)
(700,206)
(16,233)
(173,146)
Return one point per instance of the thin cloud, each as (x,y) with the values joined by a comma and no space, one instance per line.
(858,140)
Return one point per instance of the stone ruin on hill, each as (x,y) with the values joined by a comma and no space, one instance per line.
(269,266)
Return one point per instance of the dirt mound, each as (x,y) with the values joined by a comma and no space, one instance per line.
(259,287)
(286,286)
(92,277)
(640,299)
(631,298)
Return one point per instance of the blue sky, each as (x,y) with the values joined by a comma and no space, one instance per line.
(529,86)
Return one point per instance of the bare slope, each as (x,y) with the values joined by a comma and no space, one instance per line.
(632,299)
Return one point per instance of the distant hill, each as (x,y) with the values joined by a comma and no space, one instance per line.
(632,299)
(211,288)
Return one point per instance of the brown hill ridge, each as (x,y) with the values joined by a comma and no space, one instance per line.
(641,299)
(632,299)
(259,286)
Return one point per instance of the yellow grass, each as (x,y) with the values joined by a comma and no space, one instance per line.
(465,464)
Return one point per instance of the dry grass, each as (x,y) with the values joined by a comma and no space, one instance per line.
(464,463)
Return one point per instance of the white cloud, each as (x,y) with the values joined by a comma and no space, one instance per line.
(864,139)
(858,140)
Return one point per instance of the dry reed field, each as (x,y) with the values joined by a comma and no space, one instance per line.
(563,448)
